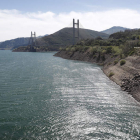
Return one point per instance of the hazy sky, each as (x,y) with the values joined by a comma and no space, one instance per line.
(19,17)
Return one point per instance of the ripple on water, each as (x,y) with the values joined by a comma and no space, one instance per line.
(45,97)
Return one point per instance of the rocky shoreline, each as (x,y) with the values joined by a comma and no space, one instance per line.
(126,76)
(132,86)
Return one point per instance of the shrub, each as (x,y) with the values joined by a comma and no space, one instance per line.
(116,50)
(103,51)
(94,56)
(67,49)
(133,37)
(131,53)
(99,49)
(99,56)
(73,49)
(122,62)
(111,74)
(101,64)
(109,49)
(60,49)
(84,48)
(93,50)
(114,55)
(109,63)
(128,47)
(78,48)
(70,53)
(103,57)
(116,61)
(122,56)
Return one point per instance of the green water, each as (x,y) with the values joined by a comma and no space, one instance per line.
(48,98)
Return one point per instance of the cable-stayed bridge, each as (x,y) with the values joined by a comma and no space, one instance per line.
(69,35)
(76,32)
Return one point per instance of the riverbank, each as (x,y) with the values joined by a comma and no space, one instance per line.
(126,75)
(28,49)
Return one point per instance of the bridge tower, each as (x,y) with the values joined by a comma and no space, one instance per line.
(32,41)
(74,31)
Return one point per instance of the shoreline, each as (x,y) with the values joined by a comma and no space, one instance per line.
(126,76)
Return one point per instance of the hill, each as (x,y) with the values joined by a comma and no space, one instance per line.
(42,36)
(127,35)
(114,29)
(14,43)
(63,38)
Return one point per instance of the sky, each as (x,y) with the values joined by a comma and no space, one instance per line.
(19,17)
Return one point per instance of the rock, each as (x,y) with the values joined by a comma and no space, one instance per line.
(131,84)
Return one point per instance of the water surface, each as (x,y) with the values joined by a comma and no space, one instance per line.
(46,97)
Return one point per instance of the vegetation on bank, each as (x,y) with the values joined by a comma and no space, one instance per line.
(94,49)
(118,46)
(111,74)
(36,48)
(133,34)
(122,62)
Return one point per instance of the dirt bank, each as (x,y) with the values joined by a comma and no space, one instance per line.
(127,75)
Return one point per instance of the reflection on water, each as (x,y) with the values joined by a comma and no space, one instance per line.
(45,97)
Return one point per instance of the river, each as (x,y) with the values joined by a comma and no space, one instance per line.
(43,97)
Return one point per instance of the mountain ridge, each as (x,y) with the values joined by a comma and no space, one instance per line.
(62,38)
(115,29)
(9,44)
(15,43)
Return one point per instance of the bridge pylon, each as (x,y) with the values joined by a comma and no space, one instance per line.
(32,41)
(74,33)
